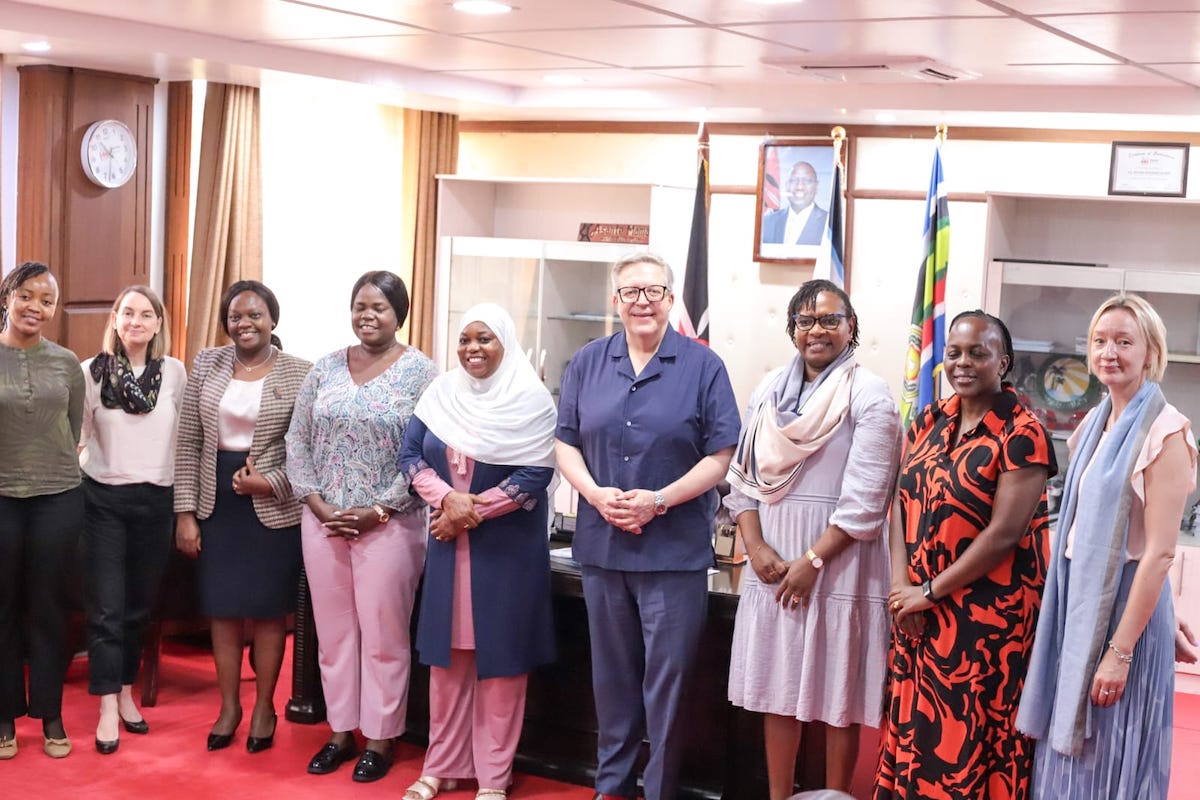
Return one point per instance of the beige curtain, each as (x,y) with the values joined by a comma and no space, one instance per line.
(228,229)
(430,148)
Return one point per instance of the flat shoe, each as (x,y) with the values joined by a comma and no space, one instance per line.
(107,748)
(139,727)
(497,793)
(422,789)
(56,748)
(372,766)
(330,757)
(8,748)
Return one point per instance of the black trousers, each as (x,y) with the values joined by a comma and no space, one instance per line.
(39,546)
(126,540)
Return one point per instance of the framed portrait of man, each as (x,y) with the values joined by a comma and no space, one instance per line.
(795,183)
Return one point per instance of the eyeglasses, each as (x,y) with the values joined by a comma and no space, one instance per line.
(629,294)
(829,322)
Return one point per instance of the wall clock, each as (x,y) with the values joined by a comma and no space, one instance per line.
(108,153)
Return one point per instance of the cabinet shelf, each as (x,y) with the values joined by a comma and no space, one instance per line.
(583,316)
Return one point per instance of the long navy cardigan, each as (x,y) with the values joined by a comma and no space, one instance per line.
(510,568)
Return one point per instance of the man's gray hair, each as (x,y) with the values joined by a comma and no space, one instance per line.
(642,257)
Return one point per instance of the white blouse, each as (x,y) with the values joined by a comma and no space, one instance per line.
(238,413)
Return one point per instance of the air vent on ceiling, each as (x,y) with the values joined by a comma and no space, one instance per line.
(868,69)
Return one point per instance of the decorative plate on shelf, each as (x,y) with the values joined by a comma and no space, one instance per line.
(1063,383)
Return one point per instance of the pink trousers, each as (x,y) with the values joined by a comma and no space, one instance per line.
(362,596)
(474,725)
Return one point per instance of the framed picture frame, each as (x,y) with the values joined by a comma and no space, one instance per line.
(792,195)
(1149,169)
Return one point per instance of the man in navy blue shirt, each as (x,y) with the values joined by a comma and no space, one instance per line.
(647,423)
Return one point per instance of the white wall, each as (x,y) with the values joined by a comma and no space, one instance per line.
(749,300)
(331,166)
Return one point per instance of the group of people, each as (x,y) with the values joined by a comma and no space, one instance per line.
(1016,666)
(898,579)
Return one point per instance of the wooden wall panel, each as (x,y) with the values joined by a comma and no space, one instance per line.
(40,172)
(95,240)
(178,212)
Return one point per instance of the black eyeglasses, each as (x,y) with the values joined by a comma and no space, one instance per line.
(829,322)
(629,294)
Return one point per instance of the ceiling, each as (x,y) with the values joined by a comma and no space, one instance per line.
(1045,63)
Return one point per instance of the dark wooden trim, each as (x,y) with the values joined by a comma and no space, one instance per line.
(730,189)
(177,212)
(900,194)
(823,129)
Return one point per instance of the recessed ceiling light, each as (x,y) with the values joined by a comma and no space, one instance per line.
(481,7)
(39,46)
(564,80)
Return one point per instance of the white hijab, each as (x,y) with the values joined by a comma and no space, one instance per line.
(507,418)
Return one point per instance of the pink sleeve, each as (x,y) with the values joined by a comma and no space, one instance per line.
(1168,422)
(497,504)
(431,488)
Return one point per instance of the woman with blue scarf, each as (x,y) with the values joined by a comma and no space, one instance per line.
(1099,693)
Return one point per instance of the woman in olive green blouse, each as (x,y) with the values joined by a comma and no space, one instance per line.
(41,503)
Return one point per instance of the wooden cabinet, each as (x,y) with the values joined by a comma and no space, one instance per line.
(95,240)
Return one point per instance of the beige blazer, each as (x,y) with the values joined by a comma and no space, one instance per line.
(196,451)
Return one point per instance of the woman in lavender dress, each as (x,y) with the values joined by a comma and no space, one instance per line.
(811,483)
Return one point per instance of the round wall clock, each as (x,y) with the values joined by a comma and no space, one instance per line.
(108,153)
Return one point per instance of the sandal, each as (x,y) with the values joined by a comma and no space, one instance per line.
(427,787)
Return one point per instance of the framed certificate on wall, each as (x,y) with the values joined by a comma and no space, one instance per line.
(1149,169)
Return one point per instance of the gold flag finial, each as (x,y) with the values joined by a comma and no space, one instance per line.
(942,129)
(838,134)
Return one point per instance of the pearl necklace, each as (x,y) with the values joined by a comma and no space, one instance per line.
(252,367)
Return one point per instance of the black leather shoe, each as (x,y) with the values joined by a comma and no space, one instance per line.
(372,766)
(139,727)
(256,744)
(219,741)
(107,748)
(330,757)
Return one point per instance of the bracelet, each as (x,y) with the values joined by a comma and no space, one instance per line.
(381,513)
(1125,658)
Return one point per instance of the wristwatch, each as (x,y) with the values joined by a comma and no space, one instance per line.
(927,590)
(816,560)
(660,504)
(382,513)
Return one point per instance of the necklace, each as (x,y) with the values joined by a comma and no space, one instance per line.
(252,367)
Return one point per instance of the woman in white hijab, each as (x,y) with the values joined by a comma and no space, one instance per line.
(480,451)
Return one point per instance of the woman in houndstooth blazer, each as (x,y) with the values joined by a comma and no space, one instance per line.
(234,506)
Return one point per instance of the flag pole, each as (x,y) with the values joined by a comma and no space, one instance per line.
(942,130)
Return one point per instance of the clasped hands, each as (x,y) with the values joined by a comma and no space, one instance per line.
(347,523)
(627,510)
(456,516)
(795,578)
(249,481)
(905,601)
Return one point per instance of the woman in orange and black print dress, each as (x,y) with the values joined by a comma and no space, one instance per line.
(969,549)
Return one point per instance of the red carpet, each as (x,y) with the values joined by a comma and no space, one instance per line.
(172,760)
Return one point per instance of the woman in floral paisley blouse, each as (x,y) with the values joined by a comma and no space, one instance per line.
(363,533)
